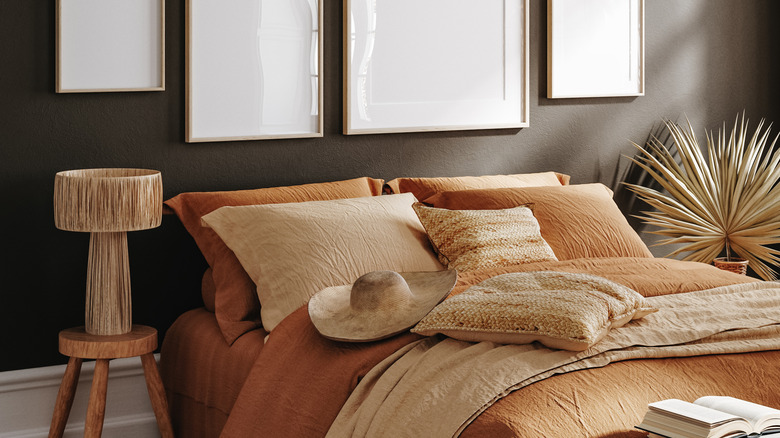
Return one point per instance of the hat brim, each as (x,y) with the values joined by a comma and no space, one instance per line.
(333,317)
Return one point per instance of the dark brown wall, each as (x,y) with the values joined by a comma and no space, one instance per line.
(709,59)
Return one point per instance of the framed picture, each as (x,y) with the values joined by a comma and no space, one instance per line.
(595,48)
(435,65)
(110,45)
(254,69)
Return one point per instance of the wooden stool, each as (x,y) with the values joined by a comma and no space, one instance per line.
(79,345)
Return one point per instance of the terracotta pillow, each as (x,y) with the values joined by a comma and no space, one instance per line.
(208,290)
(467,240)
(235,302)
(559,309)
(424,188)
(292,251)
(577,221)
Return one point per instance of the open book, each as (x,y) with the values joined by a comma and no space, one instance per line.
(711,416)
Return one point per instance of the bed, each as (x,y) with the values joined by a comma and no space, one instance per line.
(237,368)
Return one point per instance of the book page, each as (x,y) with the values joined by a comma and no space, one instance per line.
(705,416)
(759,416)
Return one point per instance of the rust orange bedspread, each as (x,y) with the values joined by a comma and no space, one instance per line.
(299,380)
(202,373)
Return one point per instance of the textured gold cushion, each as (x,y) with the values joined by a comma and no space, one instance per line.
(473,239)
(560,310)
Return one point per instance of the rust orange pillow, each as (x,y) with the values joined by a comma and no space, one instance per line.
(577,221)
(208,290)
(424,188)
(235,302)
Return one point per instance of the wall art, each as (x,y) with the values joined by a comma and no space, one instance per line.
(110,45)
(433,65)
(595,48)
(254,69)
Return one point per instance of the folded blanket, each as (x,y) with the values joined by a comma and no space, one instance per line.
(453,381)
(302,376)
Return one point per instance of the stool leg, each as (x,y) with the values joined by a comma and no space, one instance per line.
(96,411)
(157,395)
(65,397)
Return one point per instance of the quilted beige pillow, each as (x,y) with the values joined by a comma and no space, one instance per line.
(291,251)
(559,309)
(473,239)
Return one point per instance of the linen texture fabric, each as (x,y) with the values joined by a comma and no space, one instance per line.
(474,239)
(292,251)
(235,299)
(577,221)
(561,310)
(326,372)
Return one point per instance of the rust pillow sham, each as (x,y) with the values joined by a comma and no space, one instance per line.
(424,188)
(577,221)
(235,301)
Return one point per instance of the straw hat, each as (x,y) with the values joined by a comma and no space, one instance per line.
(379,304)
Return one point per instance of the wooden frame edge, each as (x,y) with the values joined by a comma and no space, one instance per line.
(550,63)
(58,59)
(189,138)
(346,95)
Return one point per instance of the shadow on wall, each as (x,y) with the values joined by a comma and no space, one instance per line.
(629,203)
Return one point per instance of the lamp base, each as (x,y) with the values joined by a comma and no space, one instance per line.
(108,307)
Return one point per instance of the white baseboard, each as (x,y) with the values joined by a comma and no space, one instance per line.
(27,401)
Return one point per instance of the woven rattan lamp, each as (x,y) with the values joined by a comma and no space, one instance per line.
(108,203)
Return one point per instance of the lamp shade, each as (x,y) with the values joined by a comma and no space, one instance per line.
(107,200)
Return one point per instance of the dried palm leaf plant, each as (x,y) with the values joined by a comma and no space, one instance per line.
(725,203)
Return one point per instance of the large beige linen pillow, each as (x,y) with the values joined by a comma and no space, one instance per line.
(474,239)
(234,296)
(559,309)
(291,251)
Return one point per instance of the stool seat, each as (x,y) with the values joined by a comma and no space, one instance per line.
(79,345)
(76,342)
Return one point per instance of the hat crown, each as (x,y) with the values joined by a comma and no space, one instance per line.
(379,290)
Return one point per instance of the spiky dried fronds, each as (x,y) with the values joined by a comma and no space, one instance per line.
(729,200)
